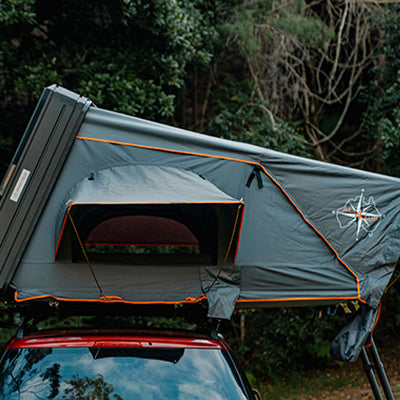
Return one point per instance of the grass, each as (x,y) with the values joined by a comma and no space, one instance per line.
(302,386)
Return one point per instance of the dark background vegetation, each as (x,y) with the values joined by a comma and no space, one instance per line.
(314,78)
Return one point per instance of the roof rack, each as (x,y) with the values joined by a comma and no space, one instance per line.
(35,312)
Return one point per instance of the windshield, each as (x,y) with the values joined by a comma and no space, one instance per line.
(117,374)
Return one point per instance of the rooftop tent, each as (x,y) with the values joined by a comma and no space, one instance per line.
(252,227)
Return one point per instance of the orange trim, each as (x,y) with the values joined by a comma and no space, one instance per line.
(376,322)
(62,230)
(188,300)
(165,150)
(8,176)
(246,162)
(85,204)
(112,299)
(298,299)
(317,231)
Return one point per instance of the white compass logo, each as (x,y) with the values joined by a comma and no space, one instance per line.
(360,213)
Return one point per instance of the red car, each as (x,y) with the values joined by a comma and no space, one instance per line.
(128,365)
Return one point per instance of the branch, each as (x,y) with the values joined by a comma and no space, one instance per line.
(266,111)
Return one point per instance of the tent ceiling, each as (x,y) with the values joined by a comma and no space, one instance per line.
(141,230)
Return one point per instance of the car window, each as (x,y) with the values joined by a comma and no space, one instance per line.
(117,374)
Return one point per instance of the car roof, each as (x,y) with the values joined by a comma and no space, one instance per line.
(116,338)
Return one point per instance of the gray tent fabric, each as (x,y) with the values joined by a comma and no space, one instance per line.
(309,233)
(222,289)
(152,183)
(348,344)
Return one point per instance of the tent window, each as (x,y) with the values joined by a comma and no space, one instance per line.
(141,234)
(145,234)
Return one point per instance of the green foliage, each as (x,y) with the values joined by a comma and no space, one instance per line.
(112,84)
(130,56)
(389,321)
(309,29)
(240,28)
(90,389)
(280,341)
(36,78)
(382,121)
(306,60)
(245,119)
(390,137)
(8,322)
(16,17)
(183,28)
(115,322)
(391,44)
(252,23)
(15,12)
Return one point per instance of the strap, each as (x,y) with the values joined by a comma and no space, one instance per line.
(228,248)
(255,173)
(84,253)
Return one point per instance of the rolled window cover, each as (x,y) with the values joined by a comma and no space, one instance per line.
(348,343)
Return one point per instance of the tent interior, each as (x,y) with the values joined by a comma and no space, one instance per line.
(151,234)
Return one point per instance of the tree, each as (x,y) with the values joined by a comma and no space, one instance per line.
(382,118)
(89,389)
(308,62)
(126,55)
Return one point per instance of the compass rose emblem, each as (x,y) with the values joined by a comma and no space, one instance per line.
(360,213)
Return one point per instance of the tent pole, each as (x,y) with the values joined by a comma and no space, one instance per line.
(368,368)
(377,365)
(380,369)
